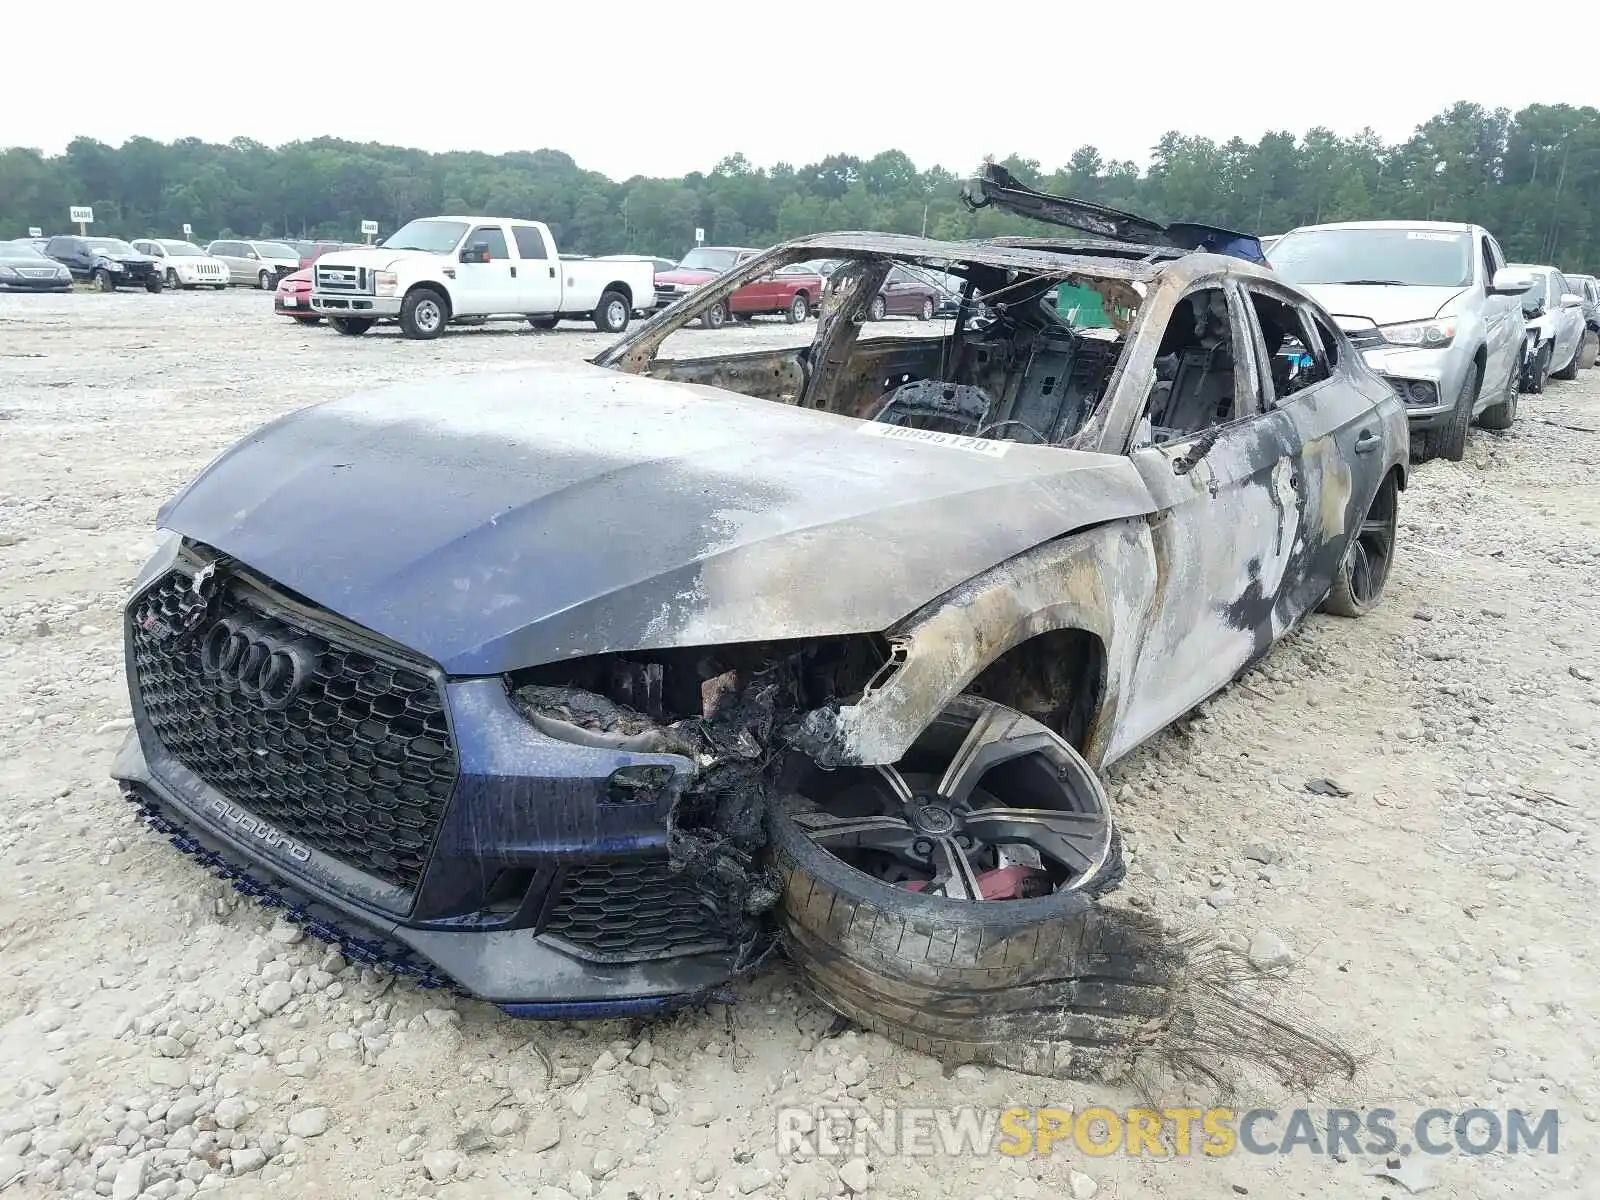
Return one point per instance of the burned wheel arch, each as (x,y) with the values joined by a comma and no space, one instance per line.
(1086,593)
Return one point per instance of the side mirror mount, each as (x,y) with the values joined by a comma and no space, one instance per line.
(1508,281)
(1570,300)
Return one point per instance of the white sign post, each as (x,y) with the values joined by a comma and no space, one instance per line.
(35,231)
(83,216)
(699,236)
(369,230)
(188,230)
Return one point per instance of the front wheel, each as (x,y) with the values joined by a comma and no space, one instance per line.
(946,902)
(1504,414)
(264,281)
(351,326)
(799,309)
(611,315)
(1364,570)
(1539,372)
(716,316)
(219,287)
(424,314)
(103,281)
(172,281)
(155,284)
(309,320)
(1449,441)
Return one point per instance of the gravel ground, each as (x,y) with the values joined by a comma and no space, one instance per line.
(158,1038)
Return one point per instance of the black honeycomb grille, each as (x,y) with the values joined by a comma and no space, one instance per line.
(359,765)
(632,910)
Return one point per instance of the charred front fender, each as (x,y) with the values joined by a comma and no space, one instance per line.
(1102,581)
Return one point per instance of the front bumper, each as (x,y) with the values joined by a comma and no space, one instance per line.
(539,890)
(1439,372)
(297,305)
(36,285)
(356,304)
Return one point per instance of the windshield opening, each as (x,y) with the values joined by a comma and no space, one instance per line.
(433,237)
(22,250)
(115,245)
(703,259)
(276,250)
(1029,361)
(1403,257)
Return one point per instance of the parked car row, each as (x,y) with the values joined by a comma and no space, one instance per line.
(157,264)
(1435,308)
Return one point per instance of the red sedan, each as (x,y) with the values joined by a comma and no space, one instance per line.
(794,291)
(293,297)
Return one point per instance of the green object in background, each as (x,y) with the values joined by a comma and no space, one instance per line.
(1082,307)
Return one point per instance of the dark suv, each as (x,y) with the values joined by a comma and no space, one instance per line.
(110,262)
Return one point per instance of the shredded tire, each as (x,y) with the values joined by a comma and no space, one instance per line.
(1060,986)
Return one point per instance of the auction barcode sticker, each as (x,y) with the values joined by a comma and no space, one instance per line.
(1429,235)
(956,441)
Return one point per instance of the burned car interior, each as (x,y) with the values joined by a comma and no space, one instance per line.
(1018,372)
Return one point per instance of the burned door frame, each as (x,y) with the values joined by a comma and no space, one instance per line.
(1340,434)
(1228,505)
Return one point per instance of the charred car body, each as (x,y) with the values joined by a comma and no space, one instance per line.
(709,646)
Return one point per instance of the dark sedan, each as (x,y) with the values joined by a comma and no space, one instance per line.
(24,269)
(109,262)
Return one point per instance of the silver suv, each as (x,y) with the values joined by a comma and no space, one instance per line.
(1432,307)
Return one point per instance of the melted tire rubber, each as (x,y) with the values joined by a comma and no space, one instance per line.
(1059,986)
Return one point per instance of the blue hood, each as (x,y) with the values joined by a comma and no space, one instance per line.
(509,518)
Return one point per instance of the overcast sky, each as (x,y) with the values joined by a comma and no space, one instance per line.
(643,88)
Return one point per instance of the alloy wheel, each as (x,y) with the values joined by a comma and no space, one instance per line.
(988,804)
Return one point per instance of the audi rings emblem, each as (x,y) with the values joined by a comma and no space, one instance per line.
(262,662)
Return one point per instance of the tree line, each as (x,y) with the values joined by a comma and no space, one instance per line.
(1532,177)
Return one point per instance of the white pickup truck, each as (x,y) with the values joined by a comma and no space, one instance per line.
(436,270)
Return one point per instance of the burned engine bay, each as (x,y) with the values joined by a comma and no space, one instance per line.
(734,712)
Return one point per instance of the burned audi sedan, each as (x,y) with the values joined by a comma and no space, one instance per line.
(574,687)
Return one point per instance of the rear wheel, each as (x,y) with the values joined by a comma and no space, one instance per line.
(1365,569)
(1570,371)
(423,314)
(1589,348)
(1449,441)
(544,322)
(799,309)
(351,326)
(611,315)
(103,281)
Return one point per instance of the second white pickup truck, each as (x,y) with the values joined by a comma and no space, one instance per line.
(438,270)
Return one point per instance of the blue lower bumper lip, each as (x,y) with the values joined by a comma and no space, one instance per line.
(519,970)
